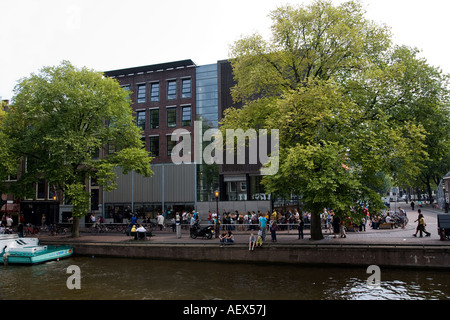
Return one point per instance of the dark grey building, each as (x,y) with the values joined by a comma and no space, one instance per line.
(170,96)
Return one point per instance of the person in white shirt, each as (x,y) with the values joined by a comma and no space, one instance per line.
(9,221)
(160,220)
(141,229)
(388,218)
(141,233)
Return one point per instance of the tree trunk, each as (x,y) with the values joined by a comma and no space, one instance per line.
(76,227)
(316,227)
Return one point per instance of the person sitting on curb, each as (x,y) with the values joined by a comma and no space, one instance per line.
(222,238)
(229,239)
(251,242)
(141,232)
(259,239)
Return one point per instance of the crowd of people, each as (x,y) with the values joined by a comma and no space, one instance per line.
(6,224)
(259,224)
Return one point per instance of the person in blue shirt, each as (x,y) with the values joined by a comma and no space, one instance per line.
(263,226)
(133,221)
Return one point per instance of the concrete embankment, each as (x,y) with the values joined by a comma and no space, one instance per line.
(388,255)
(389,248)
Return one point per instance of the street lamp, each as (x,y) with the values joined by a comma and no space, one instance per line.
(216,193)
(445,199)
(54,215)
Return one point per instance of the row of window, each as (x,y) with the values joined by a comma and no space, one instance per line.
(154,93)
(154,146)
(171,117)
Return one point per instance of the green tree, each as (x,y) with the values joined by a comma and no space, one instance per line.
(319,80)
(68,125)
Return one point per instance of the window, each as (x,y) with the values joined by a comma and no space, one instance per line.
(154,92)
(154,118)
(95,197)
(154,146)
(171,89)
(186,116)
(171,117)
(51,192)
(127,88)
(186,88)
(170,145)
(141,93)
(140,119)
(40,189)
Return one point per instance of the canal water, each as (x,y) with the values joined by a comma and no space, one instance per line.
(127,279)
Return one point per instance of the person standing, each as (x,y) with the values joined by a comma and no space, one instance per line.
(9,221)
(160,221)
(301,224)
(402,214)
(273,230)
(263,226)
(342,229)
(412,205)
(336,225)
(216,226)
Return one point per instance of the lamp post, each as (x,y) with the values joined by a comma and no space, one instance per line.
(216,193)
(445,198)
(54,215)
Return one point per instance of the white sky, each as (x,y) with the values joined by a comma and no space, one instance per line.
(110,34)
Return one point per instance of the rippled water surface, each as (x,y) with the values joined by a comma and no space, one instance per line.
(105,278)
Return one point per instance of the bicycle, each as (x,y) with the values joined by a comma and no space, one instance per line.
(97,228)
(30,230)
(55,229)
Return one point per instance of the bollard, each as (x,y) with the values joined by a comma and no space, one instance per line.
(178,225)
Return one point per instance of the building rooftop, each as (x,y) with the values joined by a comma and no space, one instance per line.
(151,68)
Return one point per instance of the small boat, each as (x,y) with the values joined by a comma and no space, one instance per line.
(17,250)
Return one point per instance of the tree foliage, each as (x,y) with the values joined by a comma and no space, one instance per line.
(350,106)
(69,125)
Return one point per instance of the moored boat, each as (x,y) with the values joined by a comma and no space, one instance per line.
(17,250)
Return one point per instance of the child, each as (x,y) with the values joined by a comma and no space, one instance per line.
(252,242)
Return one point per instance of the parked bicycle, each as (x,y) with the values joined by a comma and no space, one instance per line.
(30,230)
(97,228)
(55,229)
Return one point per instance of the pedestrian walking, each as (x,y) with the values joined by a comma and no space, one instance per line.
(421,226)
(412,205)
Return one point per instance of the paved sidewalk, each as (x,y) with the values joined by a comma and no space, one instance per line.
(393,237)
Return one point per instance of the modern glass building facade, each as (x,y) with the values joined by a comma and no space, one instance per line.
(207,95)
(207,111)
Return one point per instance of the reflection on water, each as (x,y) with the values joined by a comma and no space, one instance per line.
(111,278)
